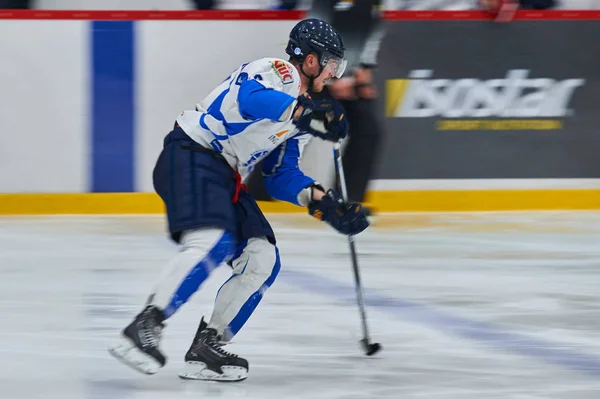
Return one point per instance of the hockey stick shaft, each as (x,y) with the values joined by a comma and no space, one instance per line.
(358,285)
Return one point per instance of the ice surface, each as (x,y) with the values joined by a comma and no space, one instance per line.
(466,306)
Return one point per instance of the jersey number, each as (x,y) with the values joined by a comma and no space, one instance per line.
(242,77)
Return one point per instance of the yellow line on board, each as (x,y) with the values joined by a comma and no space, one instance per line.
(484,200)
(102,203)
(382,201)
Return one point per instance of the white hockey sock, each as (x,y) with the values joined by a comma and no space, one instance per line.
(202,251)
(254,272)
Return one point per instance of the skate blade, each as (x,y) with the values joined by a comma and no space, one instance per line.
(129,354)
(198,371)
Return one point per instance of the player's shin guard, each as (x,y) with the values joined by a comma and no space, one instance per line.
(254,272)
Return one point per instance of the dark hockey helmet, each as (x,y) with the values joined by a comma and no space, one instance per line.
(316,36)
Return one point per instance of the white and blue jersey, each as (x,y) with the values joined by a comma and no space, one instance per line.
(248,118)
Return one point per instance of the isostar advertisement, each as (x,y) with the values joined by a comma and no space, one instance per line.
(482,100)
(514,102)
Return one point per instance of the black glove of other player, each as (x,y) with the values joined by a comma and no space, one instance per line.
(347,218)
(329,111)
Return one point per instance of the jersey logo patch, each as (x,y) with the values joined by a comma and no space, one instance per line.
(274,138)
(284,72)
(254,158)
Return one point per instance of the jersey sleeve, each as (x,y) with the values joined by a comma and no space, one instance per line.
(268,89)
(281,171)
(258,102)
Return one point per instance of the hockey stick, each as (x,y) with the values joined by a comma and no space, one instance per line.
(369,347)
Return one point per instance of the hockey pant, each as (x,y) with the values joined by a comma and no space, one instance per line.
(255,264)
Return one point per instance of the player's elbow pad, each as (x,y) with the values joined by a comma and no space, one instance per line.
(257,102)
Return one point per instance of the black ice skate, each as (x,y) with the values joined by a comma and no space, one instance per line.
(138,345)
(203,325)
(206,360)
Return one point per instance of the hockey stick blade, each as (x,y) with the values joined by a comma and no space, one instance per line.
(370,348)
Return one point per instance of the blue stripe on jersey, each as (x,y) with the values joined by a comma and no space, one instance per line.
(204,126)
(282,176)
(236,127)
(112,106)
(274,160)
(258,102)
(214,110)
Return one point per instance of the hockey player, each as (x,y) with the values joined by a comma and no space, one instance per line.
(261,111)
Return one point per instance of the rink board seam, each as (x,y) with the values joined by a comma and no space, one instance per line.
(382,201)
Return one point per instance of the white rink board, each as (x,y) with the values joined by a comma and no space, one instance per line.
(45,110)
(44,107)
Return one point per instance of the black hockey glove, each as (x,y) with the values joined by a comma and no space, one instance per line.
(333,116)
(305,118)
(332,124)
(347,218)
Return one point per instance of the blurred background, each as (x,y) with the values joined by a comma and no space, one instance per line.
(434,104)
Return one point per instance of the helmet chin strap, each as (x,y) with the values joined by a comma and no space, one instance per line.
(311,78)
